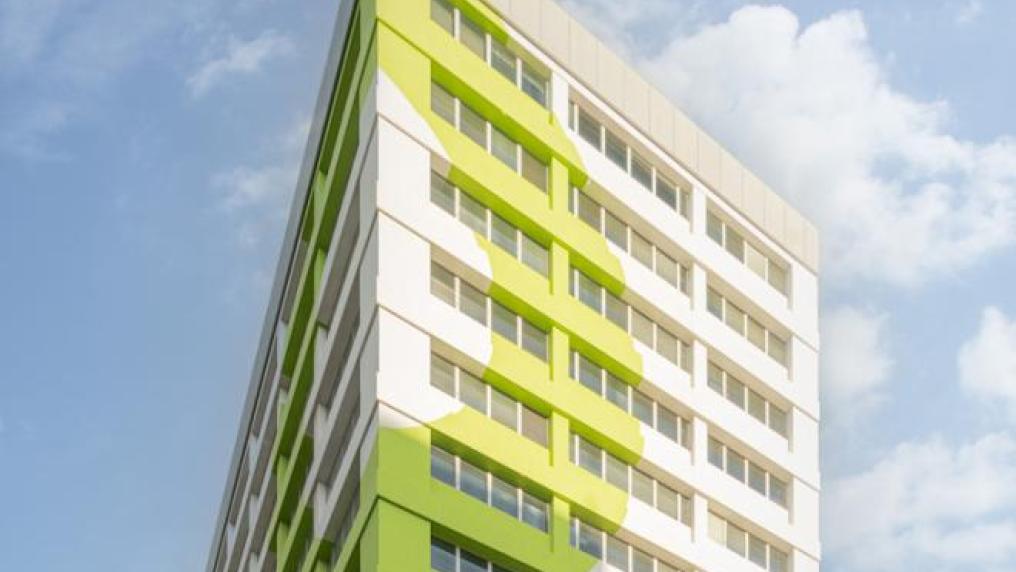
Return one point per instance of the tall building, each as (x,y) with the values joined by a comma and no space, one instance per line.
(527,317)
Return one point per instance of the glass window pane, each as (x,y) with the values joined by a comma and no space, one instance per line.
(642,407)
(667,345)
(442,283)
(534,255)
(778,277)
(504,234)
(715,378)
(470,562)
(641,327)
(534,340)
(777,420)
(442,193)
(641,172)
(617,392)
(590,375)
(504,148)
(442,556)
(534,426)
(777,348)
(684,198)
(616,311)
(735,244)
(534,84)
(473,125)
(755,260)
(735,391)
(442,466)
(588,291)
(505,322)
(504,409)
(616,151)
(589,211)
(714,303)
(757,478)
(757,551)
(756,334)
(473,303)
(666,268)
(473,481)
(442,375)
(503,497)
(685,433)
(640,561)
(777,560)
(473,36)
(534,170)
(714,228)
(502,60)
(735,465)
(777,491)
(590,458)
(716,453)
(616,231)
(472,391)
(473,214)
(617,553)
(590,540)
(642,250)
(684,274)
(442,103)
(666,192)
(666,423)
(642,487)
(617,472)
(589,129)
(735,318)
(736,539)
(756,406)
(717,529)
(534,512)
(668,501)
(443,15)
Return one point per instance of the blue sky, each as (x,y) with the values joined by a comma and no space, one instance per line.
(148,152)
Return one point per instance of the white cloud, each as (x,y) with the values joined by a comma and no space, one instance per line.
(239,58)
(968,12)
(927,505)
(987,362)
(898,198)
(855,361)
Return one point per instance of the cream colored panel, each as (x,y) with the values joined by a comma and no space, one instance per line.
(554,31)
(774,216)
(811,246)
(636,96)
(753,198)
(793,235)
(582,57)
(611,72)
(526,15)
(685,141)
(661,119)
(708,160)
(730,178)
(503,6)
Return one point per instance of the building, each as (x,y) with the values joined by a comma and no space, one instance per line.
(527,317)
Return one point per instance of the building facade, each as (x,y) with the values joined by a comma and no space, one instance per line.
(527,317)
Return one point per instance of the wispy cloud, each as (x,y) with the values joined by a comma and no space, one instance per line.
(239,58)
(987,361)
(855,362)
(25,26)
(968,12)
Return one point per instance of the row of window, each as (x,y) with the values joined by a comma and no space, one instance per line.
(737,466)
(630,480)
(458,293)
(747,399)
(474,126)
(747,326)
(630,400)
(489,49)
(446,557)
(746,545)
(627,239)
(488,488)
(725,235)
(480,219)
(626,158)
(476,394)
(614,551)
(643,329)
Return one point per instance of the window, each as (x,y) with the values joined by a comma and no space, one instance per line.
(746,545)
(614,551)
(473,214)
(502,60)
(641,171)
(616,231)
(443,15)
(442,466)
(442,103)
(747,472)
(534,84)
(534,512)
(641,249)
(755,405)
(534,170)
(747,326)
(589,129)
(616,151)
(473,125)
(765,267)
(473,36)
(504,149)
(442,556)
(446,557)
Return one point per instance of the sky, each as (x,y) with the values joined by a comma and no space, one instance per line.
(148,153)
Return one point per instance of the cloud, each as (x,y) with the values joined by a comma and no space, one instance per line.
(813,111)
(855,361)
(968,12)
(25,132)
(938,507)
(239,58)
(25,26)
(987,362)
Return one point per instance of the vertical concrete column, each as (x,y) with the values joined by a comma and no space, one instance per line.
(700,519)
(559,98)
(698,210)
(560,511)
